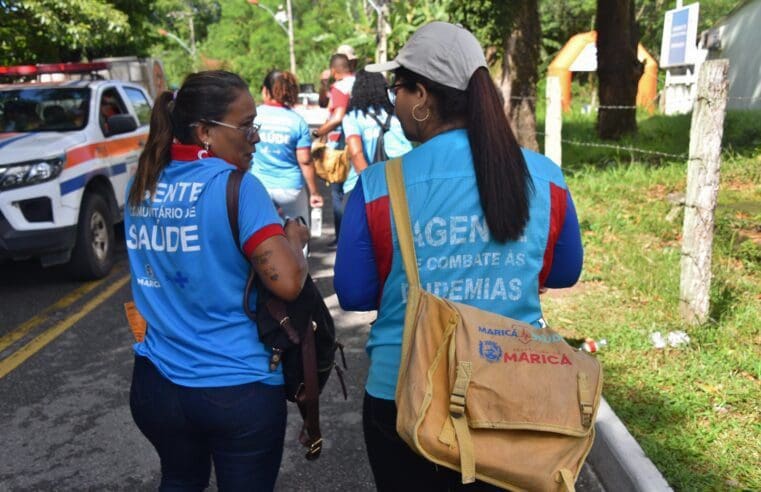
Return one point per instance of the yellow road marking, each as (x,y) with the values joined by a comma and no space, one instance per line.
(17,358)
(30,324)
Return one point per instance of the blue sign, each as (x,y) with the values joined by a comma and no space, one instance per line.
(678,35)
(680,28)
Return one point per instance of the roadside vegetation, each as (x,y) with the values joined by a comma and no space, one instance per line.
(696,410)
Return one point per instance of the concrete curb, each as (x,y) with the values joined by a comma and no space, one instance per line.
(618,460)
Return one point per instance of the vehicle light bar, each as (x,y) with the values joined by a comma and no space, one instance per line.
(43,68)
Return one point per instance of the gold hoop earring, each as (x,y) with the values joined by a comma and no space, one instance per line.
(420,120)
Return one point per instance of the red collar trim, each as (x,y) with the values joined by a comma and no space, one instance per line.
(182,152)
(274,103)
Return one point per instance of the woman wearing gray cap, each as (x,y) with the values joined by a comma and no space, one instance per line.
(492,225)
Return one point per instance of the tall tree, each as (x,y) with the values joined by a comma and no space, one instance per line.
(33,31)
(618,69)
(510,31)
(519,66)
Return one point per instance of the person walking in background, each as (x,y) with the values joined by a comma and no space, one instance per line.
(202,388)
(372,131)
(492,224)
(283,162)
(340,93)
(324,90)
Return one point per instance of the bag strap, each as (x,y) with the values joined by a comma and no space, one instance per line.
(400,208)
(232,196)
(457,401)
(398,197)
(308,396)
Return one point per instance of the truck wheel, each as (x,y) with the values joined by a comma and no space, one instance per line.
(93,254)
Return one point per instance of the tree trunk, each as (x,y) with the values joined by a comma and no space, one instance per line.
(519,73)
(618,69)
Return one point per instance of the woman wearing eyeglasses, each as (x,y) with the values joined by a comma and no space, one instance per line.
(201,387)
(283,162)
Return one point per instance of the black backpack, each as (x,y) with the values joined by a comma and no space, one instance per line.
(299,334)
(380,148)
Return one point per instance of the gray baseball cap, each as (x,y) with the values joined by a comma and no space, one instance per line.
(442,52)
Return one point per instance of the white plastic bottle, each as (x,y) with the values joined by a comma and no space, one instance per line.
(591,345)
(316,222)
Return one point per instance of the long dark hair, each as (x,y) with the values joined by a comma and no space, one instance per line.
(203,96)
(504,183)
(282,87)
(369,93)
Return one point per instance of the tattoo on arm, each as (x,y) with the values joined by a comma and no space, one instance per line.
(268,269)
(263,258)
(271,272)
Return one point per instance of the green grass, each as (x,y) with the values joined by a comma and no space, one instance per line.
(696,411)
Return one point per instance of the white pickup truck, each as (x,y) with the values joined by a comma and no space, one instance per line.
(67,151)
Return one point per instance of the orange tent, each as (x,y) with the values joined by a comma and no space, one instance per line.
(579,54)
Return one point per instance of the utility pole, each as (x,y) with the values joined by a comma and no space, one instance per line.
(383,33)
(290,37)
(282,18)
(179,15)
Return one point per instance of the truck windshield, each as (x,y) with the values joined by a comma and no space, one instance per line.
(43,109)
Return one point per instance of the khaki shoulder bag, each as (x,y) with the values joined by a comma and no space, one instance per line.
(492,397)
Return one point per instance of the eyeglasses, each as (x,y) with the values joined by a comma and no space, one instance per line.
(250,131)
(394,88)
(391,91)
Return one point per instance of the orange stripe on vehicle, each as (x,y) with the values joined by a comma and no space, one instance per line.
(78,155)
(124,145)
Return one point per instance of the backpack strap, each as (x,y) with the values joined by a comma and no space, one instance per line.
(380,144)
(383,126)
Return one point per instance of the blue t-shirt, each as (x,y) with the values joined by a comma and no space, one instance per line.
(188,275)
(283,131)
(358,123)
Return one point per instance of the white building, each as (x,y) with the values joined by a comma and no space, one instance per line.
(737,37)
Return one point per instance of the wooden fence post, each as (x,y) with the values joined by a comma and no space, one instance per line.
(553,122)
(703,166)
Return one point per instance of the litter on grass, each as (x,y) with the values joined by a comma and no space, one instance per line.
(673,339)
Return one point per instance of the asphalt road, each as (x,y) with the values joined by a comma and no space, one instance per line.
(65,369)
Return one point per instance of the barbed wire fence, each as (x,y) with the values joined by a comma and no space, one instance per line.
(553,136)
(703,159)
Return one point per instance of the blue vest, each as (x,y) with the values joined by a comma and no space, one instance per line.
(457,258)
